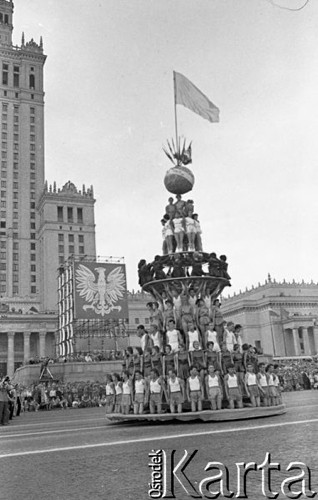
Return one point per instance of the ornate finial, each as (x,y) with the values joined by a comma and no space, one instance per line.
(92,191)
(41,43)
(50,188)
(177,155)
(45,186)
(22,40)
(84,189)
(54,187)
(269,278)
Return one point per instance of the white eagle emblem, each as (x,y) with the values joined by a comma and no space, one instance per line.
(104,293)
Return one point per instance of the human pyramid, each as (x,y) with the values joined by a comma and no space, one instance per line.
(190,355)
(182,250)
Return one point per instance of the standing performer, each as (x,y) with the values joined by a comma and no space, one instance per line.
(214,388)
(141,389)
(175,388)
(195,392)
(155,392)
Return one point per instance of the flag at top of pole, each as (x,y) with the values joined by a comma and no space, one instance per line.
(192,98)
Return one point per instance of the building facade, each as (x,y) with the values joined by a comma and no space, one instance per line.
(40,226)
(279,318)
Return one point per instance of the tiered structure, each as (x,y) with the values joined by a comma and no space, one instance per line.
(183,265)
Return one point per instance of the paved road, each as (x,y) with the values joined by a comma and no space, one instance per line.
(75,454)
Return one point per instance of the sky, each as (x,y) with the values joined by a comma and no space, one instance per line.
(110,108)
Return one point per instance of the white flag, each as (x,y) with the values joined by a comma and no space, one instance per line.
(192,98)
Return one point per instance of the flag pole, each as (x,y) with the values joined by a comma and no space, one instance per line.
(175,109)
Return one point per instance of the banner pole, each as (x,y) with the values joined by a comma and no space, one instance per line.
(175,110)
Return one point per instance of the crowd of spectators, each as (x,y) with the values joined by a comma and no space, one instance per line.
(298,375)
(80,357)
(49,396)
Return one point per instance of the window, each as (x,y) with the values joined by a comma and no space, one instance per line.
(32,111)
(2,224)
(3,244)
(32,205)
(32,147)
(32,246)
(4,136)
(32,236)
(136,321)
(61,237)
(2,288)
(32,185)
(15,205)
(15,246)
(33,278)
(3,277)
(71,238)
(71,249)
(32,215)
(3,255)
(15,267)
(3,204)
(69,214)
(3,184)
(4,117)
(61,259)
(16,236)
(61,248)
(79,215)
(3,173)
(16,76)
(32,119)
(3,194)
(4,106)
(32,138)
(32,225)
(5,73)
(15,215)
(15,185)
(16,166)
(33,289)
(33,268)
(33,256)
(60,214)
(32,175)
(16,119)
(16,137)
(3,266)
(81,250)
(81,238)
(14,225)
(4,126)
(15,256)
(32,166)
(3,214)
(15,290)
(31,82)
(15,278)
(15,196)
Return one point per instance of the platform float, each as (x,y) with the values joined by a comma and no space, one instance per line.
(204,416)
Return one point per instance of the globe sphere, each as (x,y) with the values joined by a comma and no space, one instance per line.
(179,180)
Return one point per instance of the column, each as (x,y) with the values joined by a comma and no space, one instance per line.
(315,332)
(42,335)
(26,346)
(296,341)
(306,341)
(10,359)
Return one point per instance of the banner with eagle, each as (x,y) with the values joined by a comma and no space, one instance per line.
(100,291)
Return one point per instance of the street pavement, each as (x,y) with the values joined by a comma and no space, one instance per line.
(76,454)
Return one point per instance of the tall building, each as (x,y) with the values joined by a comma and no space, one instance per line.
(39,226)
